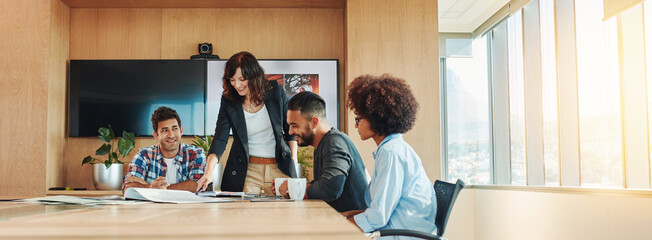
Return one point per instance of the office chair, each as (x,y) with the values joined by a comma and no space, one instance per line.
(446,194)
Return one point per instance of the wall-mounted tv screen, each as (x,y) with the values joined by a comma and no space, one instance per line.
(125,93)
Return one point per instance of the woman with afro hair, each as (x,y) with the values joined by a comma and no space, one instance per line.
(400,195)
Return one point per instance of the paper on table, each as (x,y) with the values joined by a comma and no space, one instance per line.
(168,196)
(63,199)
(221,194)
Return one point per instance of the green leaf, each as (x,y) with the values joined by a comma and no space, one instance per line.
(87,159)
(105,139)
(111,133)
(113,155)
(104,134)
(129,136)
(104,149)
(107,164)
(199,142)
(125,146)
(103,131)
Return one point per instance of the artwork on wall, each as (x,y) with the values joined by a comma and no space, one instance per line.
(318,76)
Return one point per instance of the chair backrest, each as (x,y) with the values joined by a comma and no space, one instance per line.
(446,194)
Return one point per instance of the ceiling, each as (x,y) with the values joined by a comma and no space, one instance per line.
(464,16)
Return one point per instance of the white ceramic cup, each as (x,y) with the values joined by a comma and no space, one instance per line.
(277,184)
(297,188)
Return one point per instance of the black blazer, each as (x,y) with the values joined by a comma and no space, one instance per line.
(231,116)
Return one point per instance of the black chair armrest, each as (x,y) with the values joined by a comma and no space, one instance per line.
(409,233)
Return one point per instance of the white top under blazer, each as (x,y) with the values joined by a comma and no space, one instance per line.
(260,134)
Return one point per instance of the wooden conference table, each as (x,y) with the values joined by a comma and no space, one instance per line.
(308,219)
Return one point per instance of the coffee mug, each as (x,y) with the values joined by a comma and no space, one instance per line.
(277,184)
(297,188)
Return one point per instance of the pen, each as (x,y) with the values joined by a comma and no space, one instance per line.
(198,191)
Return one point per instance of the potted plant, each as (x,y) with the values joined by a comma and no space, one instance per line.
(205,143)
(304,158)
(107,173)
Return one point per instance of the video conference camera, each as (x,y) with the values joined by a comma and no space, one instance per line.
(205,52)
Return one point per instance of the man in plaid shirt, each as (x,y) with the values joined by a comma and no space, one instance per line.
(169,164)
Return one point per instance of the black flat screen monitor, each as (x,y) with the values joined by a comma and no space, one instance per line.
(125,93)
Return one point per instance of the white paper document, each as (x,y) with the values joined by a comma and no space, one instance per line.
(63,199)
(221,194)
(168,196)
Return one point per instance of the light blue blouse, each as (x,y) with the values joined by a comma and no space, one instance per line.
(400,195)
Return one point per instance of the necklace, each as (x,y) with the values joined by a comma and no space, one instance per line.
(249,107)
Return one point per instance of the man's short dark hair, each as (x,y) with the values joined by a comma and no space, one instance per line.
(162,114)
(310,105)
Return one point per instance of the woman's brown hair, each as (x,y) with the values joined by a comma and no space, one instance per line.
(252,71)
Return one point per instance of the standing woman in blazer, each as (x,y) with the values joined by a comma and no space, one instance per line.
(256,110)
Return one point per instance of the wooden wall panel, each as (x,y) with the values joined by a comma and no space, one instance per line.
(398,37)
(24,95)
(115,33)
(205,3)
(56,120)
(267,33)
(174,34)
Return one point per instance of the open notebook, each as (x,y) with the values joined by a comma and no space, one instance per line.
(168,196)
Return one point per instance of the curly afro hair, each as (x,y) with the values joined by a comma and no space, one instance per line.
(385,101)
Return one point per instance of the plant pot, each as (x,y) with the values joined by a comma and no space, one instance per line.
(107,178)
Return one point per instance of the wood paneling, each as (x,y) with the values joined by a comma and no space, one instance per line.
(400,38)
(205,3)
(24,76)
(175,33)
(56,124)
(267,33)
(115,34)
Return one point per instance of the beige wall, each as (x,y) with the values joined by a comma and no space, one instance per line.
(173,33)
(398,37)
(514,214)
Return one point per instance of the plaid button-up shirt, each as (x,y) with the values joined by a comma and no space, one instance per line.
(148,164)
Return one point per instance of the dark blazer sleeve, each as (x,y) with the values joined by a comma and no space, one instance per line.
(222,128)
(286,126)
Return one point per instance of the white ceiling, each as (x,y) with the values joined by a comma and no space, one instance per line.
(466,15)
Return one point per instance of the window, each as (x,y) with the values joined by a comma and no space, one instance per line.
(516,98)
(467,145)
(647,13)
(598,96)
(549,84)
(503,126)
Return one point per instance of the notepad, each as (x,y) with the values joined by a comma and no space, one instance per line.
(168,196)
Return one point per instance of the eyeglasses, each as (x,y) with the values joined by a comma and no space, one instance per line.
(357,119)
